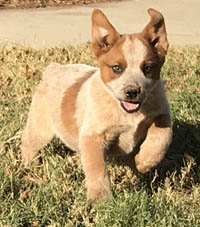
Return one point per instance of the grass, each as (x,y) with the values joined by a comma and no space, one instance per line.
(54,194)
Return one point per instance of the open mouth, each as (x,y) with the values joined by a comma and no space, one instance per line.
(130,107)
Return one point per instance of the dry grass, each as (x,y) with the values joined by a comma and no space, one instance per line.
(54,194)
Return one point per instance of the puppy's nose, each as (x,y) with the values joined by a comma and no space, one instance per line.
(132,93)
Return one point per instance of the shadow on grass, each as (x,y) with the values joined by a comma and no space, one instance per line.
(185,148)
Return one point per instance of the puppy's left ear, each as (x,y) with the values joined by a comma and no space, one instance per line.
(104,34)
(155,32)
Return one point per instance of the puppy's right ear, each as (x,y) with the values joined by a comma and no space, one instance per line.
(104,34)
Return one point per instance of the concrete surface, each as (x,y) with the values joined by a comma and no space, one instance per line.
(59,26)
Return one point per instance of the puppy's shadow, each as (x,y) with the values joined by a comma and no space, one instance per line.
(185,147)
(60,149)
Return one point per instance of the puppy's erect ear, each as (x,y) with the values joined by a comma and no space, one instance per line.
(155,32)
(104,34)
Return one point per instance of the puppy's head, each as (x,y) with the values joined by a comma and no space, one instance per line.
(130,64)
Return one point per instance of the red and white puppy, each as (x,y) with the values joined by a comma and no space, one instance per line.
(120,104)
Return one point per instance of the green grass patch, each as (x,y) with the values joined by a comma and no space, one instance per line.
(54,193)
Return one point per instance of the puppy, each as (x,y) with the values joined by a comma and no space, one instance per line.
(116,106)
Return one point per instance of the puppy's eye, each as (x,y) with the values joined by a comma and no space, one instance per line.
(117,69)
(147,69)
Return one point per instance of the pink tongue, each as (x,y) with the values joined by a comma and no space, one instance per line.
(129,105)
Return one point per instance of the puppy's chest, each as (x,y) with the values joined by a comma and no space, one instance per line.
(126,128)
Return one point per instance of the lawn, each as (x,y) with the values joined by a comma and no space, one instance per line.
(54,194)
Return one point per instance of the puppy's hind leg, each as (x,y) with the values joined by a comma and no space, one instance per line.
(38,131)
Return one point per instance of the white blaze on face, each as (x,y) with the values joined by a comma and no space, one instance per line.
(134,52)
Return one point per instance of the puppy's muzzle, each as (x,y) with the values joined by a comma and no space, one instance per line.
(131,102)
(132,93)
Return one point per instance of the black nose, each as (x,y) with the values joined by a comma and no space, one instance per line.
(132,93)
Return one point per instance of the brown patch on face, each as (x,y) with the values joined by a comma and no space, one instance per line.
(68,106)
(113,57)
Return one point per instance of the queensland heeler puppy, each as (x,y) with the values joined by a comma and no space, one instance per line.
(122,102)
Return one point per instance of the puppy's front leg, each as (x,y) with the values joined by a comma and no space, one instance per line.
(97,179)
(155,145)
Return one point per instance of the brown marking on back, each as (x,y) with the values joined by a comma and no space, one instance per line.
(68,106)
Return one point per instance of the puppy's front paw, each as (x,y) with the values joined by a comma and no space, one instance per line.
(26,155)
(97,195)
(99,191)
(142,165)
